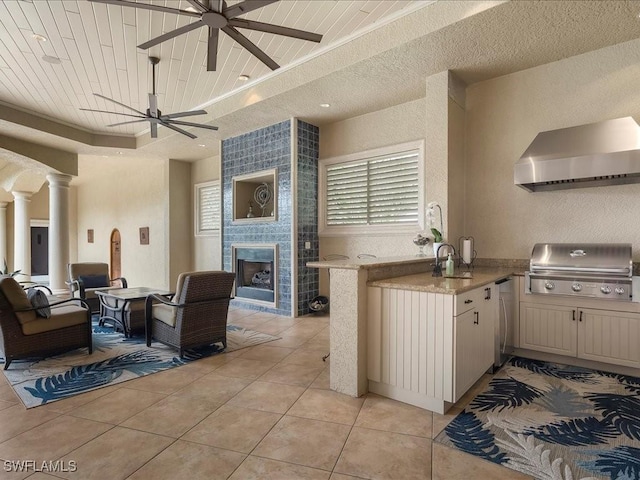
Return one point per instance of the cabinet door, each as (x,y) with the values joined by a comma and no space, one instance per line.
(473,350)
(611,337)
(548,328)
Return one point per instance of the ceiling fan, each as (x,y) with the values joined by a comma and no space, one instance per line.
(216,15)
(153,115)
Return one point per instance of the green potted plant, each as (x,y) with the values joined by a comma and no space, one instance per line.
(431,218)
(5,273)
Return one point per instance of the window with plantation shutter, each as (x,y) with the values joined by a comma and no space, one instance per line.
(380,190)
(207,202)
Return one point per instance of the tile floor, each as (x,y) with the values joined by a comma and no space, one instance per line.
(264,412)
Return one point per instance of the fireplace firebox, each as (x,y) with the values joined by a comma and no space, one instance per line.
(256,273)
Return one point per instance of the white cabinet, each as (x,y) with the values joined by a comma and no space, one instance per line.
(427,349)
(548,328)
(609,336)
(474,337)
(600,335)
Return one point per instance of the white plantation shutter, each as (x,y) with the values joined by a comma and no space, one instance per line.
(208,208)
(377,191)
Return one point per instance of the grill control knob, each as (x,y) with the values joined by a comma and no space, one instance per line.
(576,287)
(619,290)
(606,289)
(549,285)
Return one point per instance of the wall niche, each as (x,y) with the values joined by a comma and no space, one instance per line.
(255,197)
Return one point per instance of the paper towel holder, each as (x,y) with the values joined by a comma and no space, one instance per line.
(466,256)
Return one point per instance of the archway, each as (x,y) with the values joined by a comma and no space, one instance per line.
(116,252)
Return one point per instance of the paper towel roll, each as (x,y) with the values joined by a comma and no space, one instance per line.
(466,251)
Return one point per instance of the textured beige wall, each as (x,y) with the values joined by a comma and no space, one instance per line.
(179,219)
(398,124)
(206,249)
(126,193)
(503,117)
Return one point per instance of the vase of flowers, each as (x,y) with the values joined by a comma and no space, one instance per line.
(437,240)
(437,233)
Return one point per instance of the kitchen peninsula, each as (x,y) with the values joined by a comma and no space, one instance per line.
(393,328)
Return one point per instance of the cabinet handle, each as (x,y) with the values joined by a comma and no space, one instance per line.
(477,320)
(580,319)
(487,293)
(573,315)
(468,301)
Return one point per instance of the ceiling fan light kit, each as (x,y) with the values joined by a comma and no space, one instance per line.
(153,115)
(217,16)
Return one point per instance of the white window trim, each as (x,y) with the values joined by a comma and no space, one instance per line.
(199,231)
(325,230)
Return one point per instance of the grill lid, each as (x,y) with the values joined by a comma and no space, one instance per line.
(611,259)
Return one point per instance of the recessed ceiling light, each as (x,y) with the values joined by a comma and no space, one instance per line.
(50,59)
(38,37)
(243,78)
(119,153)
(201,145)
(325,105)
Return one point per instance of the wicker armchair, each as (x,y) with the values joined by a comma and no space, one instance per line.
(26,335)
(195,316)
(85,278)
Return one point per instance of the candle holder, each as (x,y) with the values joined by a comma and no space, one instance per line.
(466,252)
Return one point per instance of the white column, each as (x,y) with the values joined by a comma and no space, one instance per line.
(3,233)
(58,230)
(22,234)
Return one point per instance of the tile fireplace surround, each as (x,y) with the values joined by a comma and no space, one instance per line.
(291,148)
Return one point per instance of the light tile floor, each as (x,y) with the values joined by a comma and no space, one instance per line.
(264,412)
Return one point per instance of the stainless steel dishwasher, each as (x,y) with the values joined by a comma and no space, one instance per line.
(504,326)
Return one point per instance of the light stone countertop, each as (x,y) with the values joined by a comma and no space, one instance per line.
(424,282)
(370,263)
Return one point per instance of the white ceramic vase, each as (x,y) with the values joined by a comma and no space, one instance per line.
(435,248)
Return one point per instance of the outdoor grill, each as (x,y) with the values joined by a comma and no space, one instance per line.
(595,270)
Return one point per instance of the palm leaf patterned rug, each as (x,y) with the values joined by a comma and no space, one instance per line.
(115,359)
(554,421)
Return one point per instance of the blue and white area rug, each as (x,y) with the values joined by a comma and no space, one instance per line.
(115,359)
(554,421)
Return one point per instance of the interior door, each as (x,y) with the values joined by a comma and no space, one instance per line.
(116,253)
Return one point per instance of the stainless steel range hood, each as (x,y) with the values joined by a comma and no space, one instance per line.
(603,153)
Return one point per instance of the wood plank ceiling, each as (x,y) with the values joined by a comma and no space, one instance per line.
(97,48)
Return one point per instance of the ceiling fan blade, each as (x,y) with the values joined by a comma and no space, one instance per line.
(246,6)
(113,113)
(147,6)
(182,114)
(153,105)
(212,49)
(190,124)
(154,129)
(169,35)
(127,123)
(276,29)
(179,130)
(198,6)
(121,104)
(249,45)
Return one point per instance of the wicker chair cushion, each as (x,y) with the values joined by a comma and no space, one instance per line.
(17,297)
(61,317)
(39,301)
(164,313)
(84,269)
(94,281)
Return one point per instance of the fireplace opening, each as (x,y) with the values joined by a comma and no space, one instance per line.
(255,273)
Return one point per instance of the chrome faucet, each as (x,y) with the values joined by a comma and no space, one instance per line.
(437,267)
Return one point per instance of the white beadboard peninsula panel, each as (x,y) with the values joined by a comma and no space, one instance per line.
(409,344)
